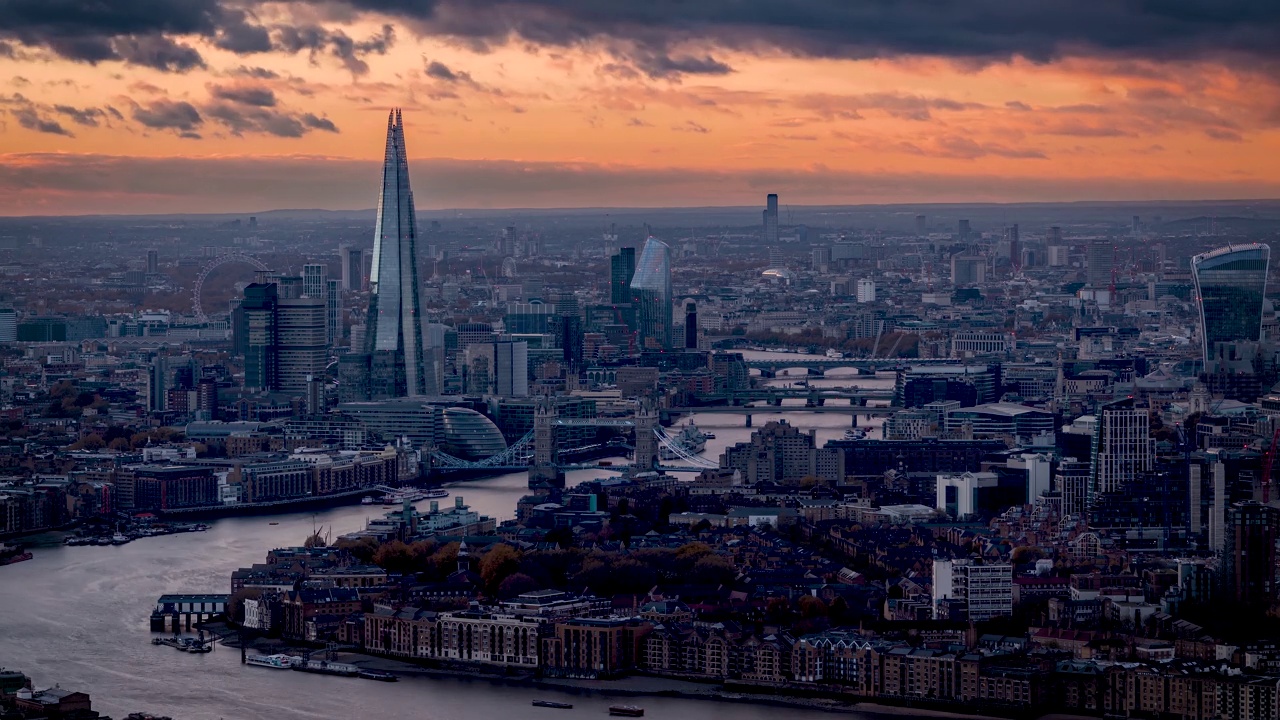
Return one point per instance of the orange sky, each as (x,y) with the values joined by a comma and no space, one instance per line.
(74,137)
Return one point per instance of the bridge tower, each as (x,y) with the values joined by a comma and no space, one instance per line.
(646,441)
(544,470)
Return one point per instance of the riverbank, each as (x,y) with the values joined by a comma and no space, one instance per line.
(632,686)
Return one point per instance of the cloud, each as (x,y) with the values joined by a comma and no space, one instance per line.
(963,148)
(36,116)
(1224,135)
(690,126)
(245,95)
(30,119)
(181,116)
(637,122)
(57,183)
(440,71)
(88,117)
(257,73)
(316,39)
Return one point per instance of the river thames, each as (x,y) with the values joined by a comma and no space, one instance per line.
(78,617)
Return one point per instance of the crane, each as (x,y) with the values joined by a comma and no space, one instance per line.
(1266,467)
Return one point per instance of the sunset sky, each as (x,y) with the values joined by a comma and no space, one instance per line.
(133,106)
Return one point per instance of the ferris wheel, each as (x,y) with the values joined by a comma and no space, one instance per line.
(197,304)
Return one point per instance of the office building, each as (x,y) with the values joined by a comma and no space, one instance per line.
(511,368)
(392,363)
(821,262)
(1015,248)
(258,337)
(314,276)
(1230,284)
(968,270)
(301,331)
(622,266)
(922,227)
(568,330)
(153,262)
(866,292)
(1249,555)
(1122,447)
(691,326)
(963,589)
(1100,262)
(1002,419)
(8,325)
(651,296)
(957,494)
(1059,255)
(333,311)
(352,259)
(158,384)
(771,222)
(964,230)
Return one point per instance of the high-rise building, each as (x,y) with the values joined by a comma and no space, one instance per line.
(1230,284)
(976,591)
(651,295)
(964,230)
(866,292)
(511,368)
(1122,447)
(771,221)
(153,262)
(8,325)
(302,354)
(622,267)
(158,384)
(568,324)
(258,336)
(393,336)
(922,226)
(691,326)
(313,280)
(1100,260)
(352,259)
(1249,554)
(333,311)
(821,259)
(968,270)
(1015,248)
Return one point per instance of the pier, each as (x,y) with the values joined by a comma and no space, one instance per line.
(174,611)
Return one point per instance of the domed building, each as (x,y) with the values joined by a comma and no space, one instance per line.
(471,434)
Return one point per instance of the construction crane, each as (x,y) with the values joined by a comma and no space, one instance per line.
(1266,467)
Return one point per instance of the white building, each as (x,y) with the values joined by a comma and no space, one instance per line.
(983,591)
(866,291)
(1122,446)
(957,493)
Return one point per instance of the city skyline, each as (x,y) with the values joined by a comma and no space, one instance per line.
(557,106)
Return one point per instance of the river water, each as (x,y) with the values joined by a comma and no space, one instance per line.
(78,617)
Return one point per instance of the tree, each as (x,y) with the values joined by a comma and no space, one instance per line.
(315,541)
(501,561)
(516,584)
(119,444)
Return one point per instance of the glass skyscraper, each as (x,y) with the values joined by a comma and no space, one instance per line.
(393,339)
(622,267)
(1230,285)
(651,295)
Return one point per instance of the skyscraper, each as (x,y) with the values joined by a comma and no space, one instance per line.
(352,259)
(651,295)
(511,368)
(333,311)
(313,280)
(1100,260)
(258,336)
(393,339)
(622,267)
(1249,554)
(153,262)
(691,326)
(1015,249)
(771,221)
(1122,447)
(922,226)
(1230,284)
(302,354)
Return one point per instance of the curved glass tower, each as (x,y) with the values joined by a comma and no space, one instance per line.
(1230,285)
(651,296)
(393,337)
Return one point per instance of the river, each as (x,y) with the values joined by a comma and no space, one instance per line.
(78,617)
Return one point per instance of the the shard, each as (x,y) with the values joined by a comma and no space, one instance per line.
(393,335)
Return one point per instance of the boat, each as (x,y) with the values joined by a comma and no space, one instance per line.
(119,539)
(324,667)
(855,434)
(378,675)
(709,436)
(552,704)
(10,554)
(435,493)
(689,441)
(273,523)
(274,662)
(834,354)
(366,500)
(626,711)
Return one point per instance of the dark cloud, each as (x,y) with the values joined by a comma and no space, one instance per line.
(973,29)
(37,116)
(315,39)
(440,71)
(1224,135)
(257,73)
(662,66)
(30,119)
(242,119)
(157,51)
(245,95)
(691,126)
(88,117)
(181,116)
(238,35)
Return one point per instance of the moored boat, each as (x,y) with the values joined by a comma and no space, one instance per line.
(552,704)
(274,662)
(626,711)
(368,674)
(324,667)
